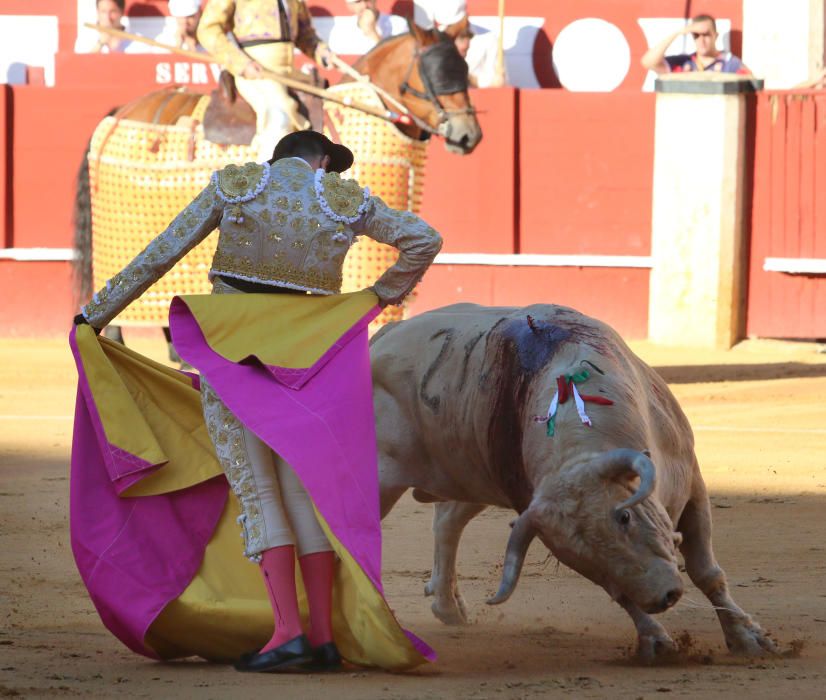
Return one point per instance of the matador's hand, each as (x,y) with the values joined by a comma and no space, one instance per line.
(80,320)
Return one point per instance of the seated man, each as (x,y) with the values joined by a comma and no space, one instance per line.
(706,57)
(109,14)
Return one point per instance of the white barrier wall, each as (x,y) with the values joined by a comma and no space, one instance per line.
(783,42)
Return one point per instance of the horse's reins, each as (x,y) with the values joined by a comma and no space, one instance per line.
(402,108)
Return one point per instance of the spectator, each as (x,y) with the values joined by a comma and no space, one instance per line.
(366,27)
(478,49)
(706,57)
(110,14)
(187,14)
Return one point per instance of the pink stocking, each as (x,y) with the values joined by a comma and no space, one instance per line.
(278,567)
(317,572)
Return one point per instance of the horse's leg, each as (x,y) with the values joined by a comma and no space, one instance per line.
(170,348)
(113,333)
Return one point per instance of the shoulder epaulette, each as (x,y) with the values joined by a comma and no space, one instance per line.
(242,183)
(342,200)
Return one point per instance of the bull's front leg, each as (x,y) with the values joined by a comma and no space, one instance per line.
(653,642)
(743,635)
(449,520)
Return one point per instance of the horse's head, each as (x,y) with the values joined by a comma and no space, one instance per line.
(424,70)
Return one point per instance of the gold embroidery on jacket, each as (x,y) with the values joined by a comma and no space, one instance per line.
(344,197)
(236,181)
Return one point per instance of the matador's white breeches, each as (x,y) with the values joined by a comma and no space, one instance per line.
(275,508)
(276,112)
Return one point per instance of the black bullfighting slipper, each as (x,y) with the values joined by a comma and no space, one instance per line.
(296,652)
(325,658)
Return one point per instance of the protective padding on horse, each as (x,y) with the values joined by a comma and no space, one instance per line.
(141,176)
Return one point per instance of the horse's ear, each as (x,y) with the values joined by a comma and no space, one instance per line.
(423,37)
(454,30)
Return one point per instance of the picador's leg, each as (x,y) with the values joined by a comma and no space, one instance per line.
(743,635)
(113,333)
(653,642)
(449,520)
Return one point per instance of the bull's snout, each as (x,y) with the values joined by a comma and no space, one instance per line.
(672,597)
(669,600)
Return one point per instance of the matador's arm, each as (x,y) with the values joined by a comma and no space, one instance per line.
(187,229)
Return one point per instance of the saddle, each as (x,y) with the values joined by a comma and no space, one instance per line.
(230,120)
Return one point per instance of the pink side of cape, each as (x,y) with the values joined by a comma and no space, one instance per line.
(135,555)
(320,420)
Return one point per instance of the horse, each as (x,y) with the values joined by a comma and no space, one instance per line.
(148,159)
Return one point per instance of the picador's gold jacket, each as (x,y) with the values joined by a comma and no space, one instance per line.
(284,225)
(253,20)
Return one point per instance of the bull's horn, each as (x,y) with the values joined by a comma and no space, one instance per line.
(521,537)
(620,462)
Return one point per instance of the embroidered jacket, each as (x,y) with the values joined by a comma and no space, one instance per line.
(249,20)
(282,224)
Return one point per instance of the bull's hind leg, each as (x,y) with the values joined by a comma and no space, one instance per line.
(449,520)
(743,635)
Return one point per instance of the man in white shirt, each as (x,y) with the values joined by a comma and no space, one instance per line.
(109,14)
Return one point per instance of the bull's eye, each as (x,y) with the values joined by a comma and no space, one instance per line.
(624,516)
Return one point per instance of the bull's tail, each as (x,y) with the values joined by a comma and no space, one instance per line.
(82,221)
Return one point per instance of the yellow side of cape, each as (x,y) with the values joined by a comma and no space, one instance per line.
(294,335)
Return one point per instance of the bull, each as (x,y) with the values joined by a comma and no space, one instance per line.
(546,411)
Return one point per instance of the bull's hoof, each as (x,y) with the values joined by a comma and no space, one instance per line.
(654,649)
(450,612)
(749,639)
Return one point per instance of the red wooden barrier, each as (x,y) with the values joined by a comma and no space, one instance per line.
(47,148)
(585,172)
(788,205)
(471,199)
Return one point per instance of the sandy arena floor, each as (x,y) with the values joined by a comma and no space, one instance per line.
(759,413)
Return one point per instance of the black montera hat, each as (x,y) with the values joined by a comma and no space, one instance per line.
(341,157)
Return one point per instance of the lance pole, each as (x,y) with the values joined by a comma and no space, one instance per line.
(387,114)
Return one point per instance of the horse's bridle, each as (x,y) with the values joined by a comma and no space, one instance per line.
(431,93)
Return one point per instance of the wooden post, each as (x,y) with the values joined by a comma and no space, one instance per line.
(697,286)
(500,48)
